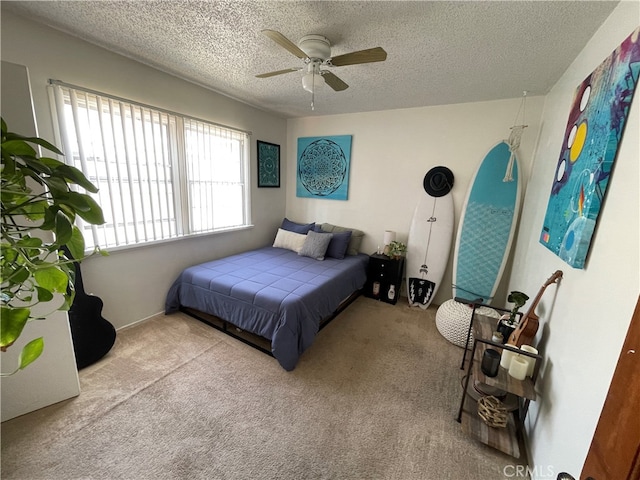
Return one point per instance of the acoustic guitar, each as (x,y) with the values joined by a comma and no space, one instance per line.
(92,335)
(526,330)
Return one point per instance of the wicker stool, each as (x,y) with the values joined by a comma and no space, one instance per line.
(452,321)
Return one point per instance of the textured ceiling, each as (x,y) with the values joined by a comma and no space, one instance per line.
(441,52)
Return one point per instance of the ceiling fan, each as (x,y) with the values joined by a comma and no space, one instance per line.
(315,51)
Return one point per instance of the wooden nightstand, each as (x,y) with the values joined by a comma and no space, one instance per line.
(384,278)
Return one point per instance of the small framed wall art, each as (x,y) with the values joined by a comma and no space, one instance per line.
(268,165)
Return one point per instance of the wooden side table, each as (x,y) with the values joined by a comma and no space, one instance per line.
(384,278)
(503,439)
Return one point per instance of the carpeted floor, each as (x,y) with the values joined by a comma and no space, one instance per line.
(375,397)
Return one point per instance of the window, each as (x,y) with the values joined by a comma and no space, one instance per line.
(160,175)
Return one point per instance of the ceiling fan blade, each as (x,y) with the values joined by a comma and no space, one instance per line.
(285,43)
(370,55)
(278,72)
(333,81)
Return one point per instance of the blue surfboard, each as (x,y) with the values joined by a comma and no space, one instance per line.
(487,226)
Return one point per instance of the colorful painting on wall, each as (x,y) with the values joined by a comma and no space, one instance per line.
(323,167)
(594,131)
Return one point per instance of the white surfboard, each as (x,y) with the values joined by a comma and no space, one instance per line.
(429,246)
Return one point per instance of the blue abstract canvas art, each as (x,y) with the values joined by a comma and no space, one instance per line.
(323,167)
(593,134)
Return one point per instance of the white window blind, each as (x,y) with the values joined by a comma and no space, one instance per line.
(160,175)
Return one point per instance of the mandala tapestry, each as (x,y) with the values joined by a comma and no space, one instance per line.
(596,122)
(323,167)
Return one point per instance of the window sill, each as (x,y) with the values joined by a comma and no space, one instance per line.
(153,243)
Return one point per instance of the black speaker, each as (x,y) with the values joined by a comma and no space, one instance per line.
(490,362)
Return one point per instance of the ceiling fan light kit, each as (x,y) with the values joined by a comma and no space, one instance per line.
(315,51)
(312,82)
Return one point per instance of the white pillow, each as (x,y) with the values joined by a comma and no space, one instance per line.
(289,240)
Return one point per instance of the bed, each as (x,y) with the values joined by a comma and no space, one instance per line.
(275,292)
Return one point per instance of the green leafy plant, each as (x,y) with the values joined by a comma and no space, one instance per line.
(518,299)
(38,213)
(397,249)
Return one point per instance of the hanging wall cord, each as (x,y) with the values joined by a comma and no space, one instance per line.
(514,138)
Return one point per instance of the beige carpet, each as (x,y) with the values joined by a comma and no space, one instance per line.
(375,397)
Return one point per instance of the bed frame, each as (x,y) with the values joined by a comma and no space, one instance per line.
(256,341)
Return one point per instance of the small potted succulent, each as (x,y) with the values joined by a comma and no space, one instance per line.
(397,249)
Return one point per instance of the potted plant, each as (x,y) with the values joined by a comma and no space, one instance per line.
(397,249)
(38,213)
(509,322)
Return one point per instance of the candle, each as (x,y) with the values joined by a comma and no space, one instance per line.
(518,368)
(531,362)
(507,355)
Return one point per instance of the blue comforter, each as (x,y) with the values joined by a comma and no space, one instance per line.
(271,292)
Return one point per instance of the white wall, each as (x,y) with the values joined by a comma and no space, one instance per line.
(133,283)
(393,150)
(585,319)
